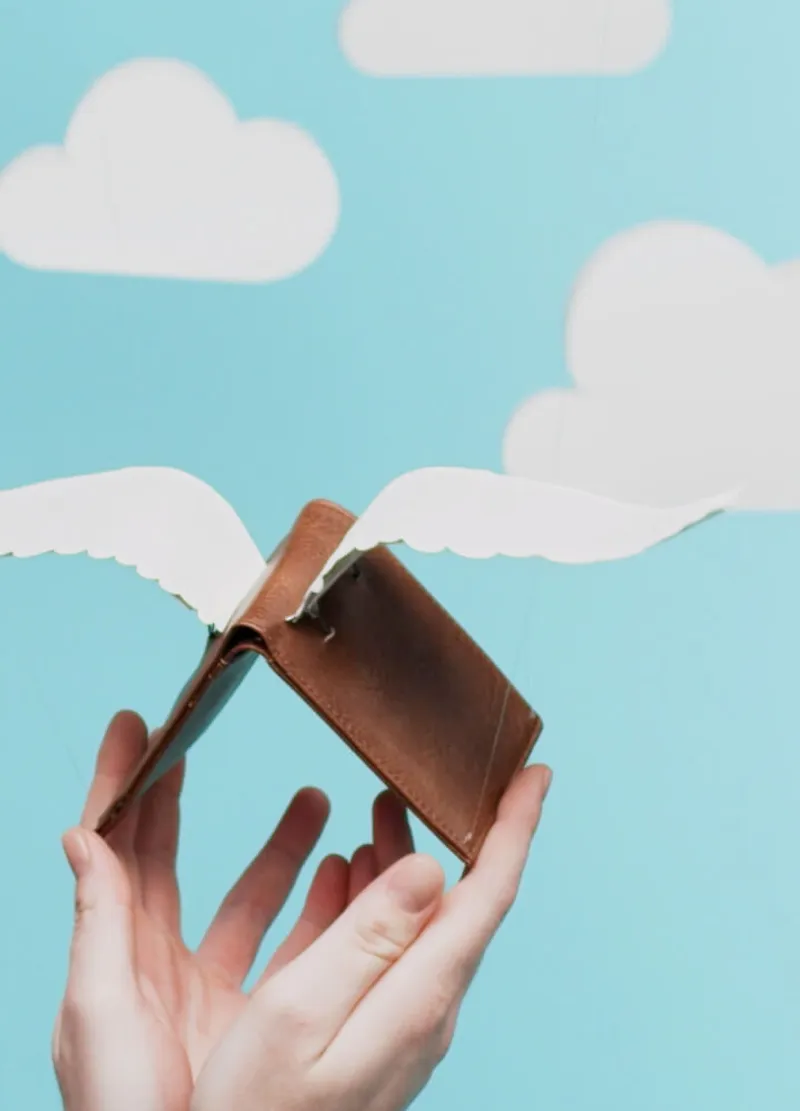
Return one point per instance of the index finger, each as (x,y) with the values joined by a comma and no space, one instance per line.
(486,894)
(121,749)
(430,979)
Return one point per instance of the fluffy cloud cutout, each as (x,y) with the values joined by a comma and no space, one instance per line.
(158,177)
(452,38)
(685,350)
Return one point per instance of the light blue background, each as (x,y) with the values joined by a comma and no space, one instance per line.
(652,961)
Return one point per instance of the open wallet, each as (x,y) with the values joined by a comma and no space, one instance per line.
(384,665)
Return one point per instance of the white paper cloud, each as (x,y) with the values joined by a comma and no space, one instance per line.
(451,38)
(685,350)
(479,514)
(158,178)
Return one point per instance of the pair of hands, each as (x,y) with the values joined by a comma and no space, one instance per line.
(356,1007)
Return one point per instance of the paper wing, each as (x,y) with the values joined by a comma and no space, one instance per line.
(479,514)
(168,525)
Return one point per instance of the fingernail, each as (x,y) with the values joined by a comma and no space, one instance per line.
(416,882)
(76,848)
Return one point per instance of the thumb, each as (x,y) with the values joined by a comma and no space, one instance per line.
(101,956)
(323,985)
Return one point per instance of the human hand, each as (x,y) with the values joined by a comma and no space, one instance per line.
(336,1020)
(361,1018)
(141,1012)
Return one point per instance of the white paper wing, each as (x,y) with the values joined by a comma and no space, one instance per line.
(165,523)
(479,514)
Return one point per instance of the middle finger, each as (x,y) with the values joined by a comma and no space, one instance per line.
(234,937)
(391,832)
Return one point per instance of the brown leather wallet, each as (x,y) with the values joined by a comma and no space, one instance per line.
(384,665)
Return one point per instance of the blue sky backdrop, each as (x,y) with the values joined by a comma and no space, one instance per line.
(652,959)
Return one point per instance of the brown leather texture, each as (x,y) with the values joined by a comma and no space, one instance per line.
(386,667)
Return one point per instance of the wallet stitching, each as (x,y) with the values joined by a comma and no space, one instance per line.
(386,766)
(115,810)
(356,733)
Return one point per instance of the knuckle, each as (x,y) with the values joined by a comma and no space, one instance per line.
(111,908)
(381,939)
(84,905)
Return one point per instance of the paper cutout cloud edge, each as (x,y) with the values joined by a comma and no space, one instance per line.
(158,177)
(177,530)
(496,38)
(683,347)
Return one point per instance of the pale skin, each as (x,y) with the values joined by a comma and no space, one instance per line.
(357,1005)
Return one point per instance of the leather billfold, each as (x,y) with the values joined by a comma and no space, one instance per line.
(384,665)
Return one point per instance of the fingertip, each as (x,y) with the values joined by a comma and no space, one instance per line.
(124,741)
(334,862)
(528,788)
(388,805)
(334,875)
(385,798)
(76,849)
(508,841)
(391,830)
(316,800)
(363,870)
(417,881)
(128,719)
(328,893)
(332,869)
(364,854)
